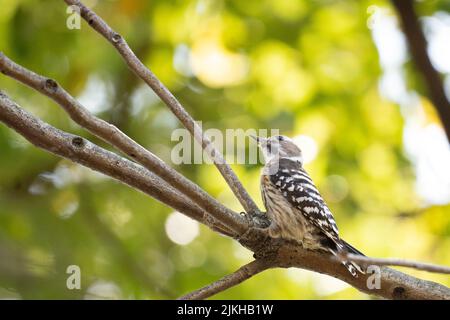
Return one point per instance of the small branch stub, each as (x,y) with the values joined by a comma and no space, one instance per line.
(51,85)
(78,142)
(399,293)
(116,38)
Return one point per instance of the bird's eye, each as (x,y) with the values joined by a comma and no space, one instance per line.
(280,138)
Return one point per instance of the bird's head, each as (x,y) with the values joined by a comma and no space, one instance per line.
(276,147)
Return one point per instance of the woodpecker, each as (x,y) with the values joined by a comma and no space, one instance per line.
(294,205)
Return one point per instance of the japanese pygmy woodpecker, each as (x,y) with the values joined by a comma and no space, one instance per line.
(294,205)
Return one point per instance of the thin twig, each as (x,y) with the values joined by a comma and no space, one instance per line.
(243,273)
(92,156)
(396,262)
(98,24)
(418,46)
(121,141)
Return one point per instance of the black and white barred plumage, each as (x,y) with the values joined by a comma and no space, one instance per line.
(293,203)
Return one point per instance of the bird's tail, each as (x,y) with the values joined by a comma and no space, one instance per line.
(351,266)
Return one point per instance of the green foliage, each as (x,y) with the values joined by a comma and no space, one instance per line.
(304,67)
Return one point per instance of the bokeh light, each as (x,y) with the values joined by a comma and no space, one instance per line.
(308,146)
(181,229)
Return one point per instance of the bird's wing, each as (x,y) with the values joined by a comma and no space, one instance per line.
(297,187)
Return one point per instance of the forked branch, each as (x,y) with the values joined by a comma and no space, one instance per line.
(394,284)
(122,142)
(84,152)
(98,24)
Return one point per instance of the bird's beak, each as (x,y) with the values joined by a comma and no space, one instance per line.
(256,138)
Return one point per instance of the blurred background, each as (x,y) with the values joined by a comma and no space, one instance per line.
(335,75)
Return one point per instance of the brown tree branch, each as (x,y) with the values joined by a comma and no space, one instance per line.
(98,24)
(393,284)
(243,273)
(418,46)
(280,253)
(92,156)
(121,141)
(396,262)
